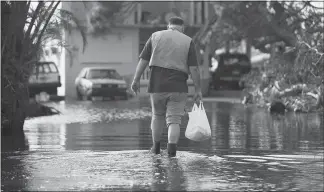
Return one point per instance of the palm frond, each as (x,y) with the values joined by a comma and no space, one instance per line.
(70,22)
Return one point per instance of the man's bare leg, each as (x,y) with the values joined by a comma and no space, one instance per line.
(158,122)
(157,126)
(173,138)
(173,133)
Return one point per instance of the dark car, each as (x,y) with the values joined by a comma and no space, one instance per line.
(100,82)
(45,78)
(230,70)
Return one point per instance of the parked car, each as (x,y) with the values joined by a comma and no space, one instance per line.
(101,82)
(45,78)
(230,69)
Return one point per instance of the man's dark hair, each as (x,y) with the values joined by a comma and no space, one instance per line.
(176,21)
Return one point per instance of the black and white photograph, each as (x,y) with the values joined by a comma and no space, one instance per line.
(162,95)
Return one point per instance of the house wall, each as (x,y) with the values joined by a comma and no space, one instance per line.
(118,49)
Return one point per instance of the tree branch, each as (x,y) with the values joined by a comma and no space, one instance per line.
(311,48)
(38,8)
(41,21)
(45,25)
(286,36)
(313,6)
(296,12)
(27,34)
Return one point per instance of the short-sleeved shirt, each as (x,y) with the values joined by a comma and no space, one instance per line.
(168,80)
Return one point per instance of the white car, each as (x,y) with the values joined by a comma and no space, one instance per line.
(100,82)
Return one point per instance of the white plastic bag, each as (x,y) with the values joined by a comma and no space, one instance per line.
(198,128)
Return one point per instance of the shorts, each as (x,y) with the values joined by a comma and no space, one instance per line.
(170,106)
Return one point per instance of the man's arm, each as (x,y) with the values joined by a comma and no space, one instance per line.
(142,64)
(145,57)
(194,66)
(195,76)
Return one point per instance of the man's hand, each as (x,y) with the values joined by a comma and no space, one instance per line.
(135,86)
(197,96)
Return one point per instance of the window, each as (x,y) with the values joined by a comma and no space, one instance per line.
(40,69)
(47,69)
(231,61)
(52,67)
(103,74)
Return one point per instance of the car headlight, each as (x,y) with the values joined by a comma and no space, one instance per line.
(96,86)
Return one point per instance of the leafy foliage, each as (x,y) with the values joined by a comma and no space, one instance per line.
(103,15)
(265,23)
(292,32)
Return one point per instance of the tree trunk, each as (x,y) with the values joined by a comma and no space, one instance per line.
(14,101)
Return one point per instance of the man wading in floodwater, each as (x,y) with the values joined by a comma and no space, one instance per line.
(171,56)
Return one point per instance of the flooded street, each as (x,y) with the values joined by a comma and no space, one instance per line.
(103,145)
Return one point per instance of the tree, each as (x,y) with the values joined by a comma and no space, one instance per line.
(292,32)
(24,30)
(104,15)
(296,26)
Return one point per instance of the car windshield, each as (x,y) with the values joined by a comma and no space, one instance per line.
(236,60)
(103,74)
(231,61)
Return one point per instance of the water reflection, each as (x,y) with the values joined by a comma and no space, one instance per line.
(283,149)
(168,175)
(254,130)
(104,136)
(46,136)
(235,129)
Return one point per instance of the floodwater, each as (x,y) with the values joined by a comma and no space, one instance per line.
(103,145)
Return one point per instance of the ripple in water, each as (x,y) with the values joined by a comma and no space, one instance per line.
(79,114)
(139,170)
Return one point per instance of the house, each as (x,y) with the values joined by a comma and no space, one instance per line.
(121,48)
